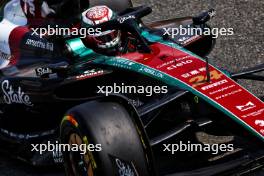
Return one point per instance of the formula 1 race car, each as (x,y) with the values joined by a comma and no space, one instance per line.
(160,109)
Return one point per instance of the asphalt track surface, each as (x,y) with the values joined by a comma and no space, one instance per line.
(242,50)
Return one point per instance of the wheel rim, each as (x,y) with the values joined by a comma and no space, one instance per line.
(79,163)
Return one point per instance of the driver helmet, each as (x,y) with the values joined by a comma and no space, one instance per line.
(97,15)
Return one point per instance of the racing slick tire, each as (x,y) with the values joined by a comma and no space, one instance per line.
(116,5)
(115,145)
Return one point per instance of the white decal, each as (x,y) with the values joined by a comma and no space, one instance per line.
(124,169)
(123,19)
(12,96)
(260,123)
(173,61)
(123,62)
(39,44)
(90,73)
(246,107)
(57,156)
(182,39)
(228,94)
(180,64)
(222,89)
(151,71)
(43,71)
(194,72)
(214,84)
(191,39)
(253,114)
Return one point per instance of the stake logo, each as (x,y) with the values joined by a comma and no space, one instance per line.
(43,71)
(125,169)
(246,107)
(12,96)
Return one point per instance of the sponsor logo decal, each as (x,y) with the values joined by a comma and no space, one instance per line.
(135,103)
(39,44)
(57,156)
(90,74)
(214,84)
(246,107)
(43,71)
(229,94)
(180,64)
(222,89)
(125,62)
(151,72)
(191,39)
(194,72)
(173,61)
(253,114)
(123,168)
(122,63)
(183,39)
(260,123)
(123,19)
(13,96)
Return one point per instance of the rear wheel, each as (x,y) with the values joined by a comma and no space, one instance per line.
(114,141)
